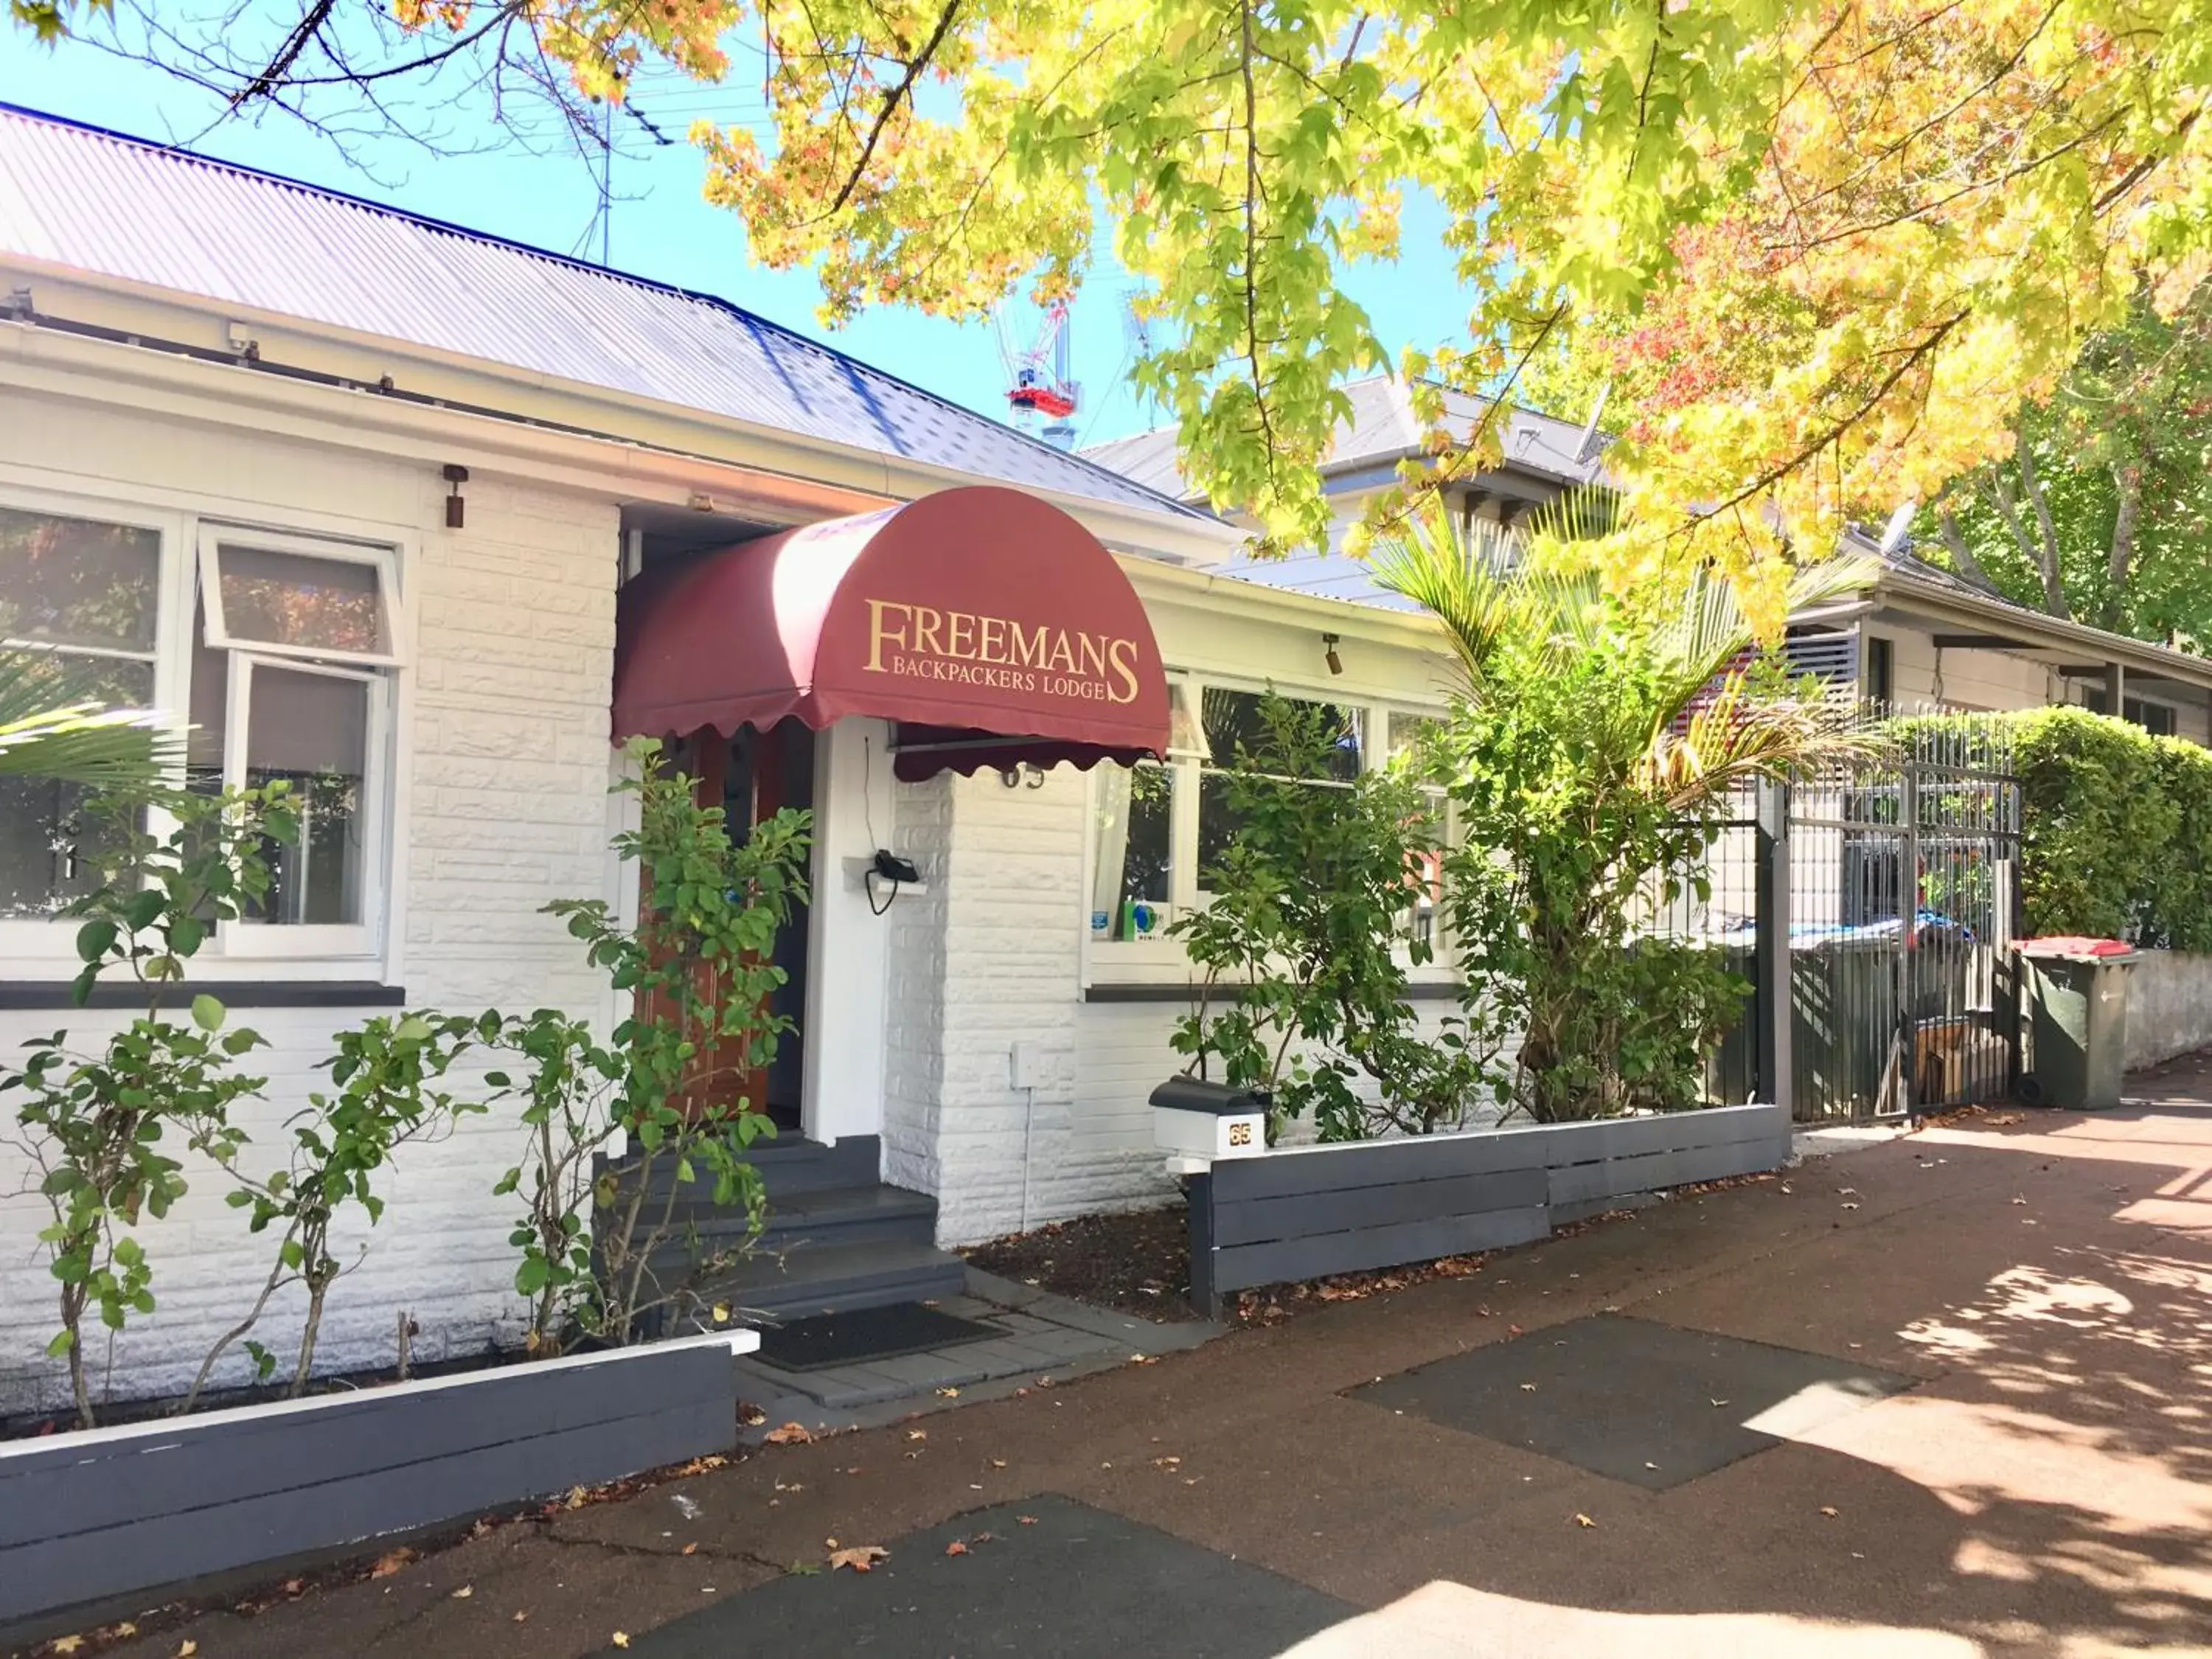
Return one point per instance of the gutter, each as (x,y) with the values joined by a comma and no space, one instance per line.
(288,348)
(2095,644)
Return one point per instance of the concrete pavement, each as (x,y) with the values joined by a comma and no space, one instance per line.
(2042,1484)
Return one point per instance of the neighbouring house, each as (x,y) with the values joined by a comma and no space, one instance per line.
(430,522)
(1920,638)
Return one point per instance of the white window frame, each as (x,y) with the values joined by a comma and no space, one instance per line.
(291,940)
(45,949)
(1164,961)
(214,536)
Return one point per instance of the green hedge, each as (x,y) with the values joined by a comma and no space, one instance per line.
(2117,830)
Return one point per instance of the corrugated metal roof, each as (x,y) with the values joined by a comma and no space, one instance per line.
(1382,429)
(120,207)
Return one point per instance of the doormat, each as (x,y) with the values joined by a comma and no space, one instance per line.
(1633,1400)
(821,1340)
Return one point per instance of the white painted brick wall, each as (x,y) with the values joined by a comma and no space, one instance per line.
(506,762)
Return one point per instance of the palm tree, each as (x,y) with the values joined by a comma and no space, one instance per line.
(57,721)
(1596,744)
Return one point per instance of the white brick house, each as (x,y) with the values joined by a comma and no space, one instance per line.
(209,376)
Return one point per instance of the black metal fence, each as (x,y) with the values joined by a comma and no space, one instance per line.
(1872,909)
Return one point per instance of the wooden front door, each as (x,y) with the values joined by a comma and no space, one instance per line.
(755,775)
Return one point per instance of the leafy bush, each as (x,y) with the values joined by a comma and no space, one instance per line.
(2117,830)
(1303,993)
(663,1093)
(102,1126)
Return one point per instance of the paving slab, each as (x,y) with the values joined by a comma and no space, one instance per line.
(1043,1577)
(1634,1400)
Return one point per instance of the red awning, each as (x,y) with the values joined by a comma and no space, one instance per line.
(990,618)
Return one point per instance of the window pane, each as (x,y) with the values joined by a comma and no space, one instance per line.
(78,581)
(312,730)
(1234,728)
(315,604)
(46,842)
(1130,897)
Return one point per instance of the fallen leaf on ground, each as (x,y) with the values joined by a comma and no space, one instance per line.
(1527,1388)
(576,1496)
(751,1415)
(998,1463)
(917,1434)
(388,1565)
(2020,1200)
(1850,1206)
(950,1392)
(621,1639)
(67,1644)
(1720,1402)
(691,1549)
(956,1547)
(187,1648)
(2001,1118)
(1829,1510)
(861,1557)
(480,1528)
(791,1434)
(1027,1520)
(1582,1520)
(464,1592)
(521,1618)
(126,1628)
(985,1538)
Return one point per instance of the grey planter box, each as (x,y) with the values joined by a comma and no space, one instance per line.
(87,1517)
(1311,1210)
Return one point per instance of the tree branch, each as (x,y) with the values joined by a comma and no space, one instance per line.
(892,100)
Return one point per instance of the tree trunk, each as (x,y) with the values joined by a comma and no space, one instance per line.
(1961,555)
(2047,560)
(2128,480)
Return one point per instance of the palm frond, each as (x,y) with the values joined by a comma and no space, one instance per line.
(55,722)
(1430,564)
(1736,738)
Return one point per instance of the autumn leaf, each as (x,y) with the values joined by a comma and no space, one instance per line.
(464,1592)
(620,1638)
(861,1557)
(791,1434)
(917,1434)
(389,1563)
(1829,1510)
(998,1463)
(956,1547)
(1582,1520)
(67,1644)
(749,1415)
(691,1548)
(187,1648)
(950,1392)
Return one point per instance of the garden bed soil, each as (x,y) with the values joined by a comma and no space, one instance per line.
(1135,1262)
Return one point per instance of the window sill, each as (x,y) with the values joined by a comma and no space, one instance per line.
(21,993)
(1184,991)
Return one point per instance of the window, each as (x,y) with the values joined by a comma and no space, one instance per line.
(88,591)
(1234,730)
(1878,681)
(2156,717)
(284,671)
(1157,828)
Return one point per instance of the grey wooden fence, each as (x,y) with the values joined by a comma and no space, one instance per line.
(87,1517)
(1307,1211)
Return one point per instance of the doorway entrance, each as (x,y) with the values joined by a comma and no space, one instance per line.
(758,774)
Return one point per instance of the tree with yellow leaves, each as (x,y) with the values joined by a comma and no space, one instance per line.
(1833,244)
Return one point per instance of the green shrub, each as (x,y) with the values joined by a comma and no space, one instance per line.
(2096,822)
(2116,827)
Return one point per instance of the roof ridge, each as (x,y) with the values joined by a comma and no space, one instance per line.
(179,153)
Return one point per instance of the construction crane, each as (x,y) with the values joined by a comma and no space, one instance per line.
(1039,382)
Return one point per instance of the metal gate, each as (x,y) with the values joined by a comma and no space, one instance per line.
(1903,907)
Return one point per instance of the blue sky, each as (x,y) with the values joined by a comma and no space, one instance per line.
(662,229)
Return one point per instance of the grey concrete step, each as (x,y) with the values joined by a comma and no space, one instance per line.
(832,1278)
(874,1213)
